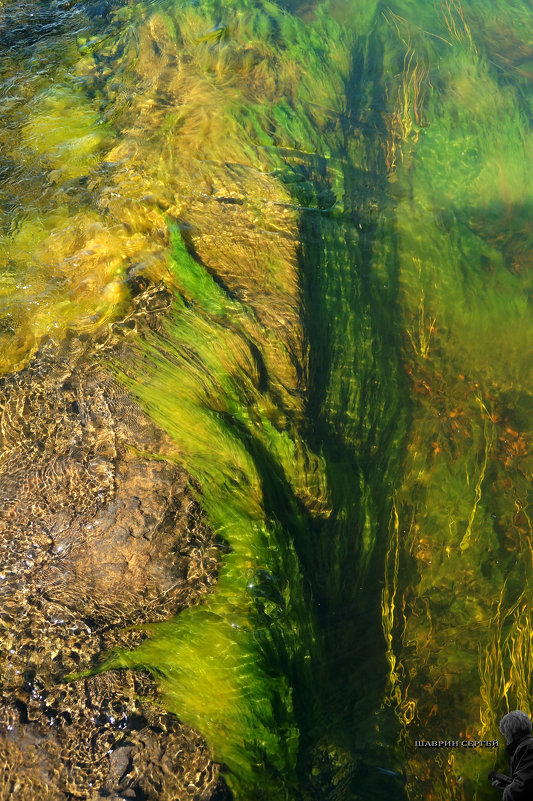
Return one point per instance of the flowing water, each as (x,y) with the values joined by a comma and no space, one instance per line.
(339,196)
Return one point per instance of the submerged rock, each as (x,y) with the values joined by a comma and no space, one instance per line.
(99,532)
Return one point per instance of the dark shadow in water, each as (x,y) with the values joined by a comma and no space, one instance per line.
(350,316)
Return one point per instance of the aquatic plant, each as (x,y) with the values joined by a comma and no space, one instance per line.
(300,504)
(201,385)
(338,196)
(461,288)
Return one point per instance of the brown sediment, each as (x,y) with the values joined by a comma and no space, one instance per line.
(99,532)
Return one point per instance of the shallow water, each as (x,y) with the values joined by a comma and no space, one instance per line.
(339,196)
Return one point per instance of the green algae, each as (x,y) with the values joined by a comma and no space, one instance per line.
(301,507)
(64,274)
(198,384)
(353,406)
(65,133)
(460,180)
(432,152)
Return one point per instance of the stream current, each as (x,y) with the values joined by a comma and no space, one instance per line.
(266,301)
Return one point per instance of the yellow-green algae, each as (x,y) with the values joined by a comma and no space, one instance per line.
(60,269)
(201,389)
(364,169)
(452,175)
(459,562)
(64,247)
(302,529)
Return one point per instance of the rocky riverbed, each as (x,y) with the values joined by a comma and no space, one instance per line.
(99,533)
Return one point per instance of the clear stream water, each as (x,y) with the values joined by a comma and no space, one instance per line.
(339,196)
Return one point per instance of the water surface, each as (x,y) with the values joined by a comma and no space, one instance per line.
(338,195)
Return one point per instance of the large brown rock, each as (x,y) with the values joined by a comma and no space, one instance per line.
(99,532)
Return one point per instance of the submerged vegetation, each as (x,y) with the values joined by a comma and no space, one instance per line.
(338,196)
